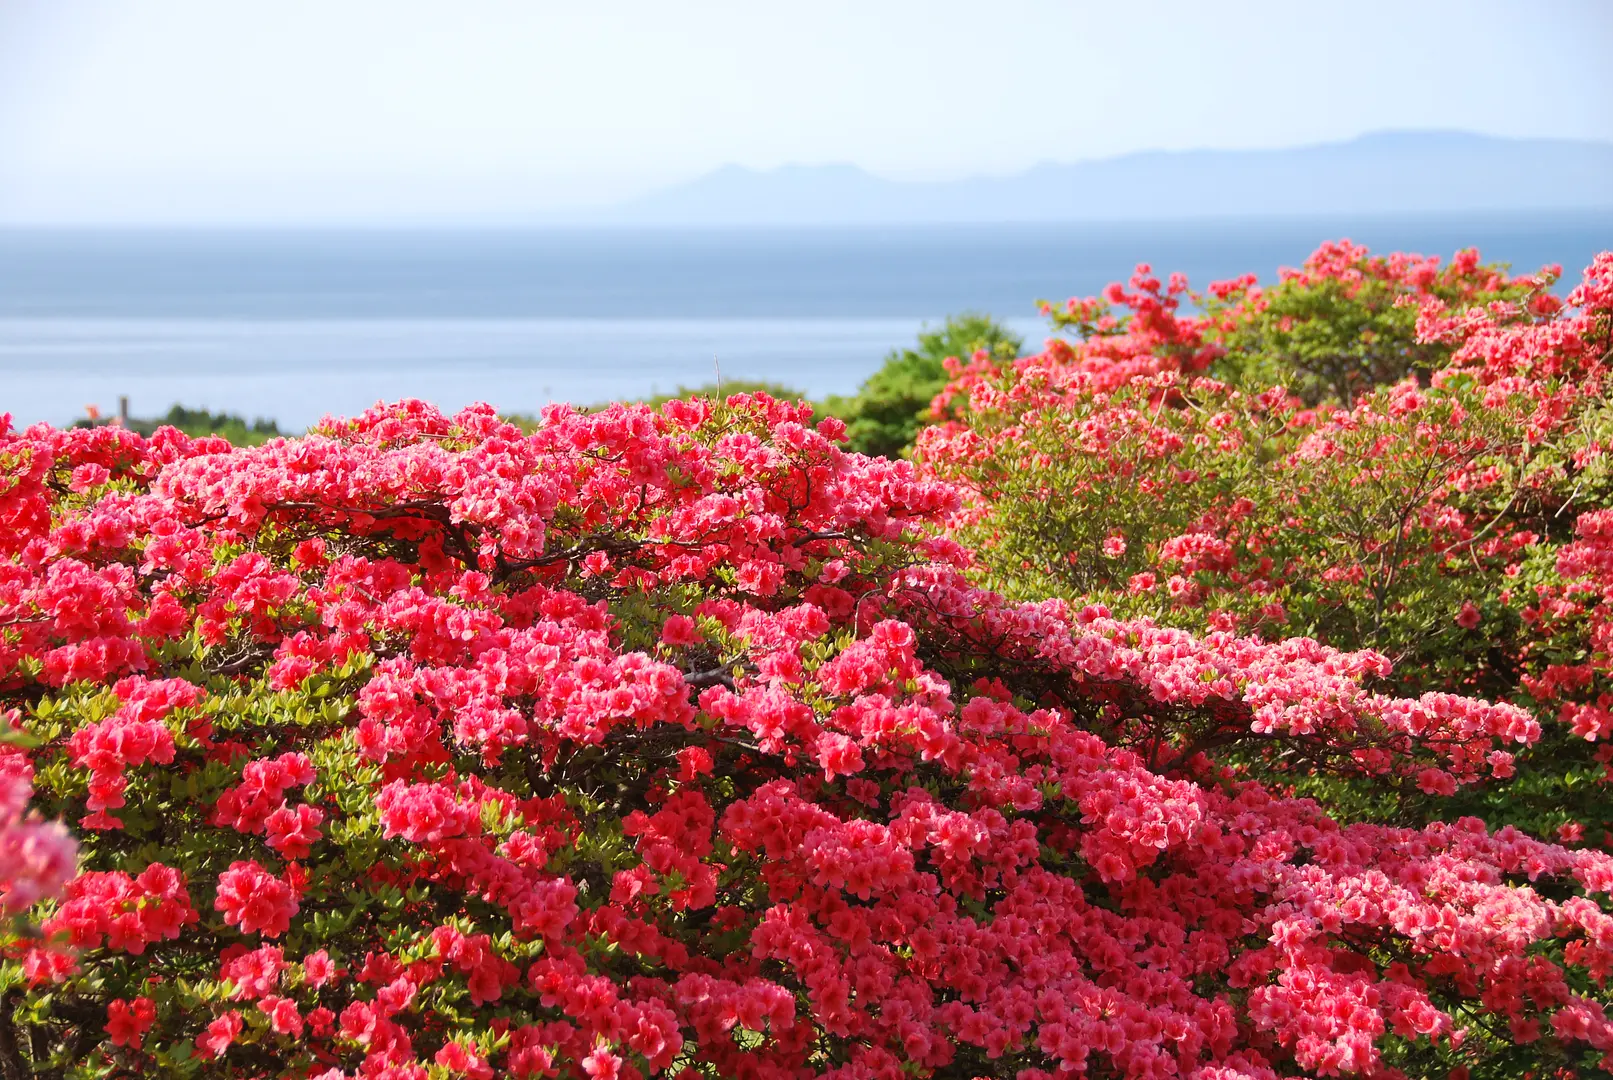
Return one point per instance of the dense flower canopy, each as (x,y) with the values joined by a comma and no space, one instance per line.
(1432,518)
(683,742)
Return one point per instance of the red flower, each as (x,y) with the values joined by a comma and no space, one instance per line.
(318,968)
(256,900)
(127,1022)
(602,1065)
(283,1015)
(458,1057)
(839,755)
(220,1034)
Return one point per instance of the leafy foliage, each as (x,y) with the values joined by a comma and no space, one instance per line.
(1346,322)
(890,407)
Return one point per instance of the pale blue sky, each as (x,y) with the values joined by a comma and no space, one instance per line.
(422,110)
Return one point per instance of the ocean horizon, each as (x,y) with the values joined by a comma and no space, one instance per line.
(294,325)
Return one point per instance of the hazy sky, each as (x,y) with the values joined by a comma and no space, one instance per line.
(208,110)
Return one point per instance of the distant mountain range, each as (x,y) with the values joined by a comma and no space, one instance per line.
(1385,173)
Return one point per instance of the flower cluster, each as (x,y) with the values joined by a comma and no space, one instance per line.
(1386,454)
(123,913)
(37,858)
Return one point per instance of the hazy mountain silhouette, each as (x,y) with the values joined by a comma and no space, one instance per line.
(1382,173)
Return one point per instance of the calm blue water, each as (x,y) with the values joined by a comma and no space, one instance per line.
(295,325)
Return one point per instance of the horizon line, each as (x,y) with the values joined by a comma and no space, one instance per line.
(606,214)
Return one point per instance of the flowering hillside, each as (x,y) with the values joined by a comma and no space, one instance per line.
(682,742)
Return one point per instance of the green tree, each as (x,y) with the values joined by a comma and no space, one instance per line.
(890,407)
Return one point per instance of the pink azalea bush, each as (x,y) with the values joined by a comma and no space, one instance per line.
(1445,518)
(682,743)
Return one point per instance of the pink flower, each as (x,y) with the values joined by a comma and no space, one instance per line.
(126,913)
(839,755)
(602,1065)
(47,965)
(458,1057)
(256,900)
(283,1015)
(679,630)
(255,974)
(1469,616)
(1436,782)
(318,969)
(424,812)
(220,1034)
(88,476)
(37,859)
(293,832)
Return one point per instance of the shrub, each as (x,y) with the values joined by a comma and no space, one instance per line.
(889,409)
(1424,521)
(678,743)
(1346,321)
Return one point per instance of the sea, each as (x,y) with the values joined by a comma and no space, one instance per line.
(295,325)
